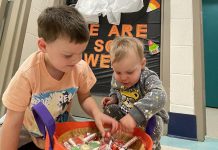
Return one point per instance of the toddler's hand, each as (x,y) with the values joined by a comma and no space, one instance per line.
(108,100)
(127,123)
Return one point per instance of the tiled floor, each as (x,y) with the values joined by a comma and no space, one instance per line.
(212,122)
(181,144)
(210,143)
(164,147)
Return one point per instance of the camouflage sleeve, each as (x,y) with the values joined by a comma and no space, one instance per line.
(153,100)
(113,87)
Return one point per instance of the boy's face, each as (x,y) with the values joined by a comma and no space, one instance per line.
(61,54)
(127,70)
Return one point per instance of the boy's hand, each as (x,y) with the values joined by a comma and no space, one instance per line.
(90,107)
(108,100)
(101,120)
(127,123)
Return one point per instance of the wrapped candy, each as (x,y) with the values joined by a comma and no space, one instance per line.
(67,145)
(90,141)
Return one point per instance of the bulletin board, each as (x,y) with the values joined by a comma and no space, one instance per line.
(144,24)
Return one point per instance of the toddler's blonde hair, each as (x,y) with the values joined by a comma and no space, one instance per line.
(121,46)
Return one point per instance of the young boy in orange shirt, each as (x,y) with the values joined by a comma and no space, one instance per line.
(52,75)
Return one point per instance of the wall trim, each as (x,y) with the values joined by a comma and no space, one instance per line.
(199,79)
(3,4)
(12,42)
(165,50)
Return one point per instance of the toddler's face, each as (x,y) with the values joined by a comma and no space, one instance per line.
(127,70)
(63,54)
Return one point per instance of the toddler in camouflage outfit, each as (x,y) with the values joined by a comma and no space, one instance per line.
(137,96)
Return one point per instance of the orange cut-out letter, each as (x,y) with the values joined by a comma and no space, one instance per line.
(107,45)
(93,29)
(105,61)
(99,45)
(141,31)
(91,59)
(127,30)
(114,30)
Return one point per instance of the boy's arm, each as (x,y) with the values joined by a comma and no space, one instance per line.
(9,135)
(86,81)
(152,102)
(90,107)
(88,104)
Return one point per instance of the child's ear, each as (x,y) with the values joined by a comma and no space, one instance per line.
(143,63)
(42,44)
(111,66)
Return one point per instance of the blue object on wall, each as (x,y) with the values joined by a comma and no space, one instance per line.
(182,126)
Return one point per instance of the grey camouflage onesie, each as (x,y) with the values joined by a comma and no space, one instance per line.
(144,100)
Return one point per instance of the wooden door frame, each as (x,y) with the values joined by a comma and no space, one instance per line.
(199,78)
(14,31)
(165,50)
(3,4)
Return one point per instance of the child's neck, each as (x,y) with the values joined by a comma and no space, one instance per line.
(56,74)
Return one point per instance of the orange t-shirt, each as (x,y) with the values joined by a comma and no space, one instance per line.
(33,84)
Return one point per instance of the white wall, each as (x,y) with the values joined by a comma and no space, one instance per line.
(30,41)
(181,57)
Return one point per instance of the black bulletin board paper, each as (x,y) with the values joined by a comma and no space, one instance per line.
(144,25)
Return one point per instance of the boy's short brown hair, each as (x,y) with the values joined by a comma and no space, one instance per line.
(120,47)
(65,21)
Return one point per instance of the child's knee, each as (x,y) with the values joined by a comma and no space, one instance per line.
(155,127)
(114,111)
